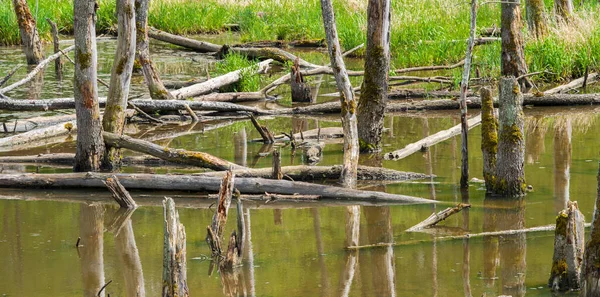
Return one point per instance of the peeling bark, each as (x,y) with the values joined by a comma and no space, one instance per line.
(513,57)
(537,19)
(489,137)
(32,45)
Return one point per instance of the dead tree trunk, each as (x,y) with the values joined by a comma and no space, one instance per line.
(120,194)
(155,86)
(91,232)
(590,272)
(563,10)
(215,230)
(116,101)
(300,89)
(58,63)
(464,86)
(513,58)
(373,93)
(90,146)
(277,173)
(174,253)
(348,102)
(537,20)
(32,45)
(510,173)
(489,137)
(568,249)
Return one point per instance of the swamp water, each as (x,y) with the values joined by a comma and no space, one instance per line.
(298,249)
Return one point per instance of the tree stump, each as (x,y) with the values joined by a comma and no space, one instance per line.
(300,89)
(174,257)
(590,272)
(568,249)
(489,137)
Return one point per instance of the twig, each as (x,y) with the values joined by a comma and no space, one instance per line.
(192,114)
(78,241)
(103,83)
(10,74)
(534,73)
(145,115)
(103,287)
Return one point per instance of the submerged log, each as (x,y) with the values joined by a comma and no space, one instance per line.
(199,183)
(174,253)
(435,218)
(200,46)
(431,140)
(568,249)
(38,134)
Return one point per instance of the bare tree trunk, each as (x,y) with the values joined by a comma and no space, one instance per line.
(116,101)
(90,145)
(563,10)
(32,45)
(489,137)
(510,173)
(58,63)
(373,93)
(568,249)
(348,102)
(155,85)
(513,58)
(537,20)
(590,272)
(174,253)
(464,86)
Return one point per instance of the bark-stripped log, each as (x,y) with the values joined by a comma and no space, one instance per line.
(120,194)
(347,100)
(120,78)
(199,183)
(90,146)
(214,84)
(38,134)
(216,228)
(155,86)
(199,46)
(568,249)
(435,218)
(174,253)
(30,38)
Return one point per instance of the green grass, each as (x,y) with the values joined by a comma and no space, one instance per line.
(428,32)
(232,62)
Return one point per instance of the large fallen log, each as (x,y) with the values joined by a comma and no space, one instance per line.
(430,140)
(37,134)
(24,125)
(198,183)
(36,70)
(214,84)
(149,105)
(172,155)
(200,46)
(276,54)
(574,84)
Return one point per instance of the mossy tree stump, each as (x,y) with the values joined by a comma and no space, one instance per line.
(590,270)
(568,249)
(489,137)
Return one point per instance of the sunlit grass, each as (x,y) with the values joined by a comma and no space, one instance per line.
(232,62)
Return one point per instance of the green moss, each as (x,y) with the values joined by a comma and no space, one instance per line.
(121,65)
(561,223)
(84,59)
(366,146)
(559,268)
(511,133)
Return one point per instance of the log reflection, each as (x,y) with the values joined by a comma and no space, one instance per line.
(91,230)
(129,257)
(535,132)
(352,239)
(562,162)
(240,147)
(466,247)
(239,281)
(381,261)
(321,251)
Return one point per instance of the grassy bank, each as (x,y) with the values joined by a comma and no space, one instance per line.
(423,33)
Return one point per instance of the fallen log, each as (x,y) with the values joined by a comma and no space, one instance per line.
(232,97)
(574,84)
(36,70)
(435,218)
(430,140)
(317,134)
(38,134)
(273,53)
(421,93)
(151,106)
(199,46)
(24,125)
(435,79)
(172,84)
(200,184)
(119,193)
(172,155)
(214,84)
(430,68)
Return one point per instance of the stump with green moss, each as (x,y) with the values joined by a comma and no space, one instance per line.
(590,270)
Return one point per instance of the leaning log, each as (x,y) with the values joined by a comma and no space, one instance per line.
(174,253)
(119,193)
(200,184)
(214,84)
(216,228)
(435,218)
(172,155)
(430,140)
(199,46)
(568,249)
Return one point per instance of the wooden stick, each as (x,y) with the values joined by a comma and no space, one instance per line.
(266,135)
(174,253)
(10,74)
(192,114)
(220,217)
(119,193)
(147,116)
(435,218)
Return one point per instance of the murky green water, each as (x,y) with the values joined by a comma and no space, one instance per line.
(299,251)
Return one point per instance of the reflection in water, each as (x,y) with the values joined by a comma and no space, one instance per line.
(127,252)
(506,214)
(240,147)
(535,132)
(466,246)
(352,237)
(562,162)
(91,229)
(35,86)
(381,261)
(319,240)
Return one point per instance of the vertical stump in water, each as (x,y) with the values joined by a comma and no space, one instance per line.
(590,270)
(174,253)
(215,230)
(277,174)
(568,249)
(58,63)
(300,89)
(510,173)
(489,137)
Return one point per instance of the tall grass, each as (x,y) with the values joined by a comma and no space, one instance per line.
(248,81)
(427,32)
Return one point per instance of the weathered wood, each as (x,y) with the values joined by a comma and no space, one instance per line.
(233,257)
(192,114)
(174,253)
(215,234)
(199,46)
(232,97)
(199,183)
(510,171)
(489,137)
(58,63)
(30,38)
(313,151)
(120,78)
(422,93)
(537,19)
(273,53)
(300,89)
(563,10)
(38,134)
(90,146)
(264,132)
(148,105)
(151,77)
(568,249)
(347,100)
(224,80)
(513,57)
(435,79)
(590,273)
(174,84)
(431,140)
(172,155)
(10,74)
(316,134)
(574,84)
(435,218)
(32,74)
(119,193)
(276,174)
